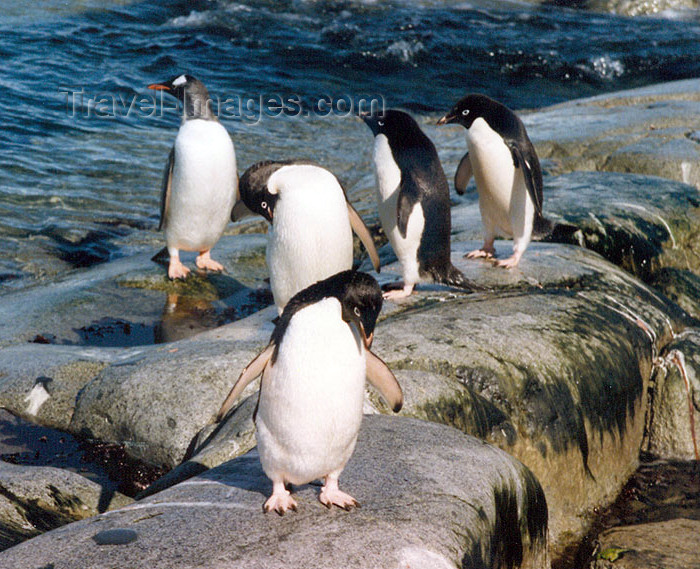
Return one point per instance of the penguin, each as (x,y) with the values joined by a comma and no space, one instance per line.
(200,183)
(311,223)
(313,383)
(507,173)
(414,201)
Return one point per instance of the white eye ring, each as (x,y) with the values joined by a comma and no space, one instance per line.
(380,123)
(263,205)
(465,112)
(357,311)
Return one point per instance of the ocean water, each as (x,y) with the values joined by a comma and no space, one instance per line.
(83,142)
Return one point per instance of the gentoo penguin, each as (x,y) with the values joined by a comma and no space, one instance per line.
(414,201)
(507,173)
(200,183)
(312,221)
(313,383)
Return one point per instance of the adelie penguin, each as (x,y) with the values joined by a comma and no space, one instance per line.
(200,183)
(313,384)
(312,222)
(507,174)
(414,201)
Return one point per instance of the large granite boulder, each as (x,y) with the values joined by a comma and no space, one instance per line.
(34,500)
(431,498)
(674,411)
(651,130)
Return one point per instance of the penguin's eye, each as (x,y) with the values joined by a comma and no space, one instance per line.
(263,205)
(357,311)
(380,123)
(465,112)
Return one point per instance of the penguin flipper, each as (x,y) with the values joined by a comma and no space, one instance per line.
(379,375)
(165,187)
(532,172)
(463,174)
(240,210)
(408,197)
(251,371)
(363,233)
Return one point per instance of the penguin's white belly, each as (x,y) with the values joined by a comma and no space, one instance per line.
(388,182)
(311,403)
(310,238)
(501,187)
(204,186)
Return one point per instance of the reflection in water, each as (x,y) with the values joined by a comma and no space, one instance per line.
(185,316)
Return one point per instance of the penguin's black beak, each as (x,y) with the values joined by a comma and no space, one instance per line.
(447,119)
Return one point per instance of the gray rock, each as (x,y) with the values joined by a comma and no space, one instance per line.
(640,223)
(135,297)
(650,131)
(661,545)
(34,500)
(674,412)
(681,286)
(431,497)
(552,366)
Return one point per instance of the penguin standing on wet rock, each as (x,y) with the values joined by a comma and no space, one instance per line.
(312,222)
(414,201)
(507,174)
(313,384)
(200,183)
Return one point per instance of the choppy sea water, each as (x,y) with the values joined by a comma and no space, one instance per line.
(83,146)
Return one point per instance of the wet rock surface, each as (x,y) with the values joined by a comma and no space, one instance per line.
(418,510)
(34,500)
(564,362)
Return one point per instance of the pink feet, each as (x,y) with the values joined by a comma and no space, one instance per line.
(331,494)
(510,262)
(205,262)
(176,270)
(483,253)
(397,293)
(280,501)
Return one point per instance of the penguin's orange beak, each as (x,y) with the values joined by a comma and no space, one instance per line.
(366,340)
(447,119)
(158,87)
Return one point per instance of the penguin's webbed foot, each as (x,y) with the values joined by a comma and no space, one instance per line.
(331,497)
(176,270)
(205,262)
(509,263)
(280,501)
(402,291)
(483,253)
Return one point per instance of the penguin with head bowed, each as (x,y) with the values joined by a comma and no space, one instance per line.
(507,174)
(313,384)
(200,183)
(312,222)
(414,201)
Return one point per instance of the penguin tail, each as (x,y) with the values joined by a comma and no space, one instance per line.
(541,226)
(452,276)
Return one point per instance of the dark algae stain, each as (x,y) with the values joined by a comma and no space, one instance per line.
(518,526)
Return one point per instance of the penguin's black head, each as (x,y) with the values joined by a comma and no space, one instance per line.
(359,295)
(470,108)
(398,126)
(254,191)
(361,302)
(191,92)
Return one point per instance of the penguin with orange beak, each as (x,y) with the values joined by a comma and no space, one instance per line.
(200,183)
